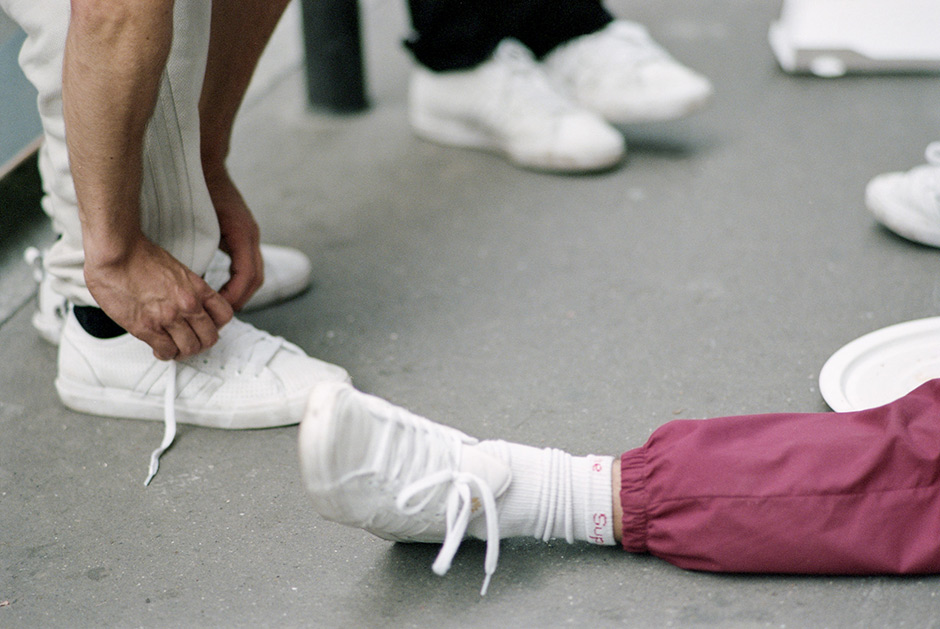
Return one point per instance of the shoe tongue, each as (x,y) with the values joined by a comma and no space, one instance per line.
(246,343)
(491,467)
(514,51)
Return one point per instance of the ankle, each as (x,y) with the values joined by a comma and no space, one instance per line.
(553,495)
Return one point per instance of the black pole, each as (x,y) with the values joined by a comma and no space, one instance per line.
(335,77)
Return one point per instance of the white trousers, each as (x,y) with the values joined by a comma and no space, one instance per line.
(176,210)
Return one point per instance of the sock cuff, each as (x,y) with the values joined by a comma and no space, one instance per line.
(592,478)
(94,321)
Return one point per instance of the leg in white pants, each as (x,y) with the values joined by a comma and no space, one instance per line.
(176,210)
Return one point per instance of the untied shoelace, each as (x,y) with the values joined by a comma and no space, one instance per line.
(169,421)
(458,507)
(238,341)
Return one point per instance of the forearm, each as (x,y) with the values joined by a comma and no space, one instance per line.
(115,54)
(240,31)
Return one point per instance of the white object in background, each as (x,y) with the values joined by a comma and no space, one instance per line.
(882,366)
(829,38)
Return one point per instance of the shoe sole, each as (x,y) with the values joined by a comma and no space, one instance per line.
(123,404)
(660,112)
(449,132)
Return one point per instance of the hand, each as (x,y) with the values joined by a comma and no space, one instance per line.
(157,299)
(241,240)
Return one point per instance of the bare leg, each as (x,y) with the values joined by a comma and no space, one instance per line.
(240,31)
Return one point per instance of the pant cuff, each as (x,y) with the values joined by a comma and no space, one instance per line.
(633,500)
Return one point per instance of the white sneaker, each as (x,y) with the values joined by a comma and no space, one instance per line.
(626,77)
(908,203)
(248,379)
(51,307)
(286,274)
(376,466)
(507,105)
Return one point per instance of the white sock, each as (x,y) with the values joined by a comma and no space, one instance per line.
(553,495)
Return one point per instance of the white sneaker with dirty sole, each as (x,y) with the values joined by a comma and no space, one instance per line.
(508,106)
(286,274)
(620,73)
(372,465)
(908,203)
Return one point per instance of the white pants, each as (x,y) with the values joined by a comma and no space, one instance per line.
(176,210)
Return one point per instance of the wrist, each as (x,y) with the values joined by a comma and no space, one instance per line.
(104,249)
(213,158)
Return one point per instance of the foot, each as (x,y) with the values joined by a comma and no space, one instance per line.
(908,203)
(248,379)
(372,465)
(620,73)
(507,105)
(286,274)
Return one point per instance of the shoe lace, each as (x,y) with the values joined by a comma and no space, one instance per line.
(394,454)
(529,87)
(240,346)
(169,422)
(457,513)
(625,43)
(622,44)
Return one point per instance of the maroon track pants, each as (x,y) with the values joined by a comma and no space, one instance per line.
(819,493)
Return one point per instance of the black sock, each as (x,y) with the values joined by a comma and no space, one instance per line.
(97,323)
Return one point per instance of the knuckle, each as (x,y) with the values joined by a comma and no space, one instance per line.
(188,303)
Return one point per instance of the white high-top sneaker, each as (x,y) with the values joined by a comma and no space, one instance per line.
(372,465)
(507,105)
(620,73)
(286,274)
(908,203)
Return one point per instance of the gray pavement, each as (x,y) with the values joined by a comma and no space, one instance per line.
(712,274)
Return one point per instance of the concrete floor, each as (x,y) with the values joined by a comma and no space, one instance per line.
(712,274)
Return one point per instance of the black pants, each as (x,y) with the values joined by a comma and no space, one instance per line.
(459,34)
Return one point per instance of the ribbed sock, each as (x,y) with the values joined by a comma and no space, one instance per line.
(553,495)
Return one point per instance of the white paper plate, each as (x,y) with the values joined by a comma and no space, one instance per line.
(882,366)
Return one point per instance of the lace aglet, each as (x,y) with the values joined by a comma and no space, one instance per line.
(441,566)
(154,466)
(486,584)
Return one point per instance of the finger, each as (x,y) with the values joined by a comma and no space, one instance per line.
(247,274)
(236,291)
(218,309)
(185,338)
(162,345)
(205,329)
